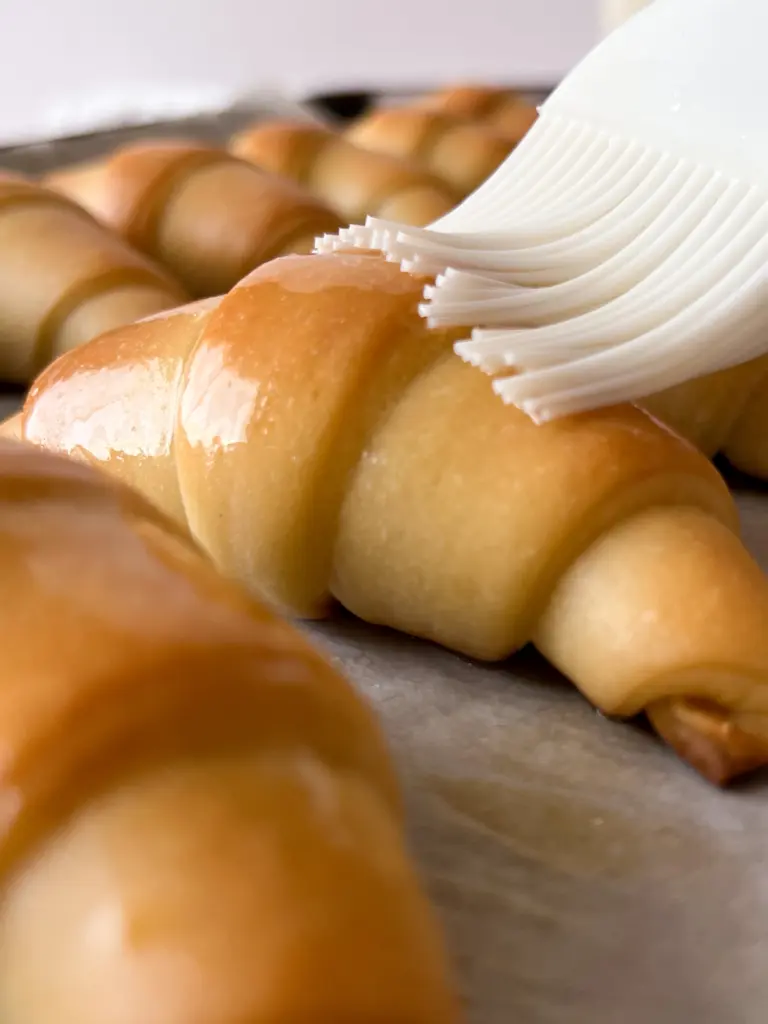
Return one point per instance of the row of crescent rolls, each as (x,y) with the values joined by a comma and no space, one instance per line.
(204,216)
(461,133)
(201,819)
(356,181)
(141,231)
(410,163)
(210,216)
(324,445)
(197,209)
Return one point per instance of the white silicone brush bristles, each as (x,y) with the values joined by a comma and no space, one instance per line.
(623,247)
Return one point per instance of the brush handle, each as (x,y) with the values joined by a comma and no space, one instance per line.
(685,77)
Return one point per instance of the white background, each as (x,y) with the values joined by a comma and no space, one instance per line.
(80,64)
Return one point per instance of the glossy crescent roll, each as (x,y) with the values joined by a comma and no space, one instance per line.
(65,279)
(200,821)
(200,211)
(461,153)
(323,444)
(354,181)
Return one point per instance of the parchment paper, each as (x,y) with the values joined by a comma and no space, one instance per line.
(584,874)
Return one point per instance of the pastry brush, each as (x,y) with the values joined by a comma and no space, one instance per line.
(622,247)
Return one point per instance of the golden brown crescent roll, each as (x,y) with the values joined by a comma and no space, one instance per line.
(202,212)
(502,109)
(354,181)
(461,153)
(201,819)
(323,444)
(65,279)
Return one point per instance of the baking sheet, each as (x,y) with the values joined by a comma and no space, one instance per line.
(583,873)
(214,128)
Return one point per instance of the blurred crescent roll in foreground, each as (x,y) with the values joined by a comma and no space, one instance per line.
(200,818)
(324,445)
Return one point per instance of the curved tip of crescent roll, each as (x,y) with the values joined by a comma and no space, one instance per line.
(708,737)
